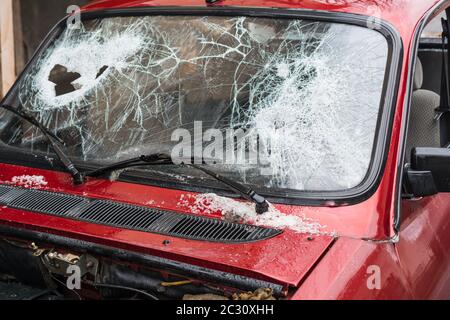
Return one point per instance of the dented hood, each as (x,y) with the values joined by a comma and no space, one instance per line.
(283,259)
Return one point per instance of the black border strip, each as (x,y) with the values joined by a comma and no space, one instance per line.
(383,130)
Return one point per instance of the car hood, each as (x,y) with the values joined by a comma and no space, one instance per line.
(285,259)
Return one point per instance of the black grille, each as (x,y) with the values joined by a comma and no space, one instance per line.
(45,202)
(132,217)
(119,214)
(8,195)
(4,190)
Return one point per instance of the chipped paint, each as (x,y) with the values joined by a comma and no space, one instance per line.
(237,211)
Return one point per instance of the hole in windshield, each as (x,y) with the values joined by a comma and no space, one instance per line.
(63,80)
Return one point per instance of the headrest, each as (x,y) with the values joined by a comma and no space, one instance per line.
(418,75)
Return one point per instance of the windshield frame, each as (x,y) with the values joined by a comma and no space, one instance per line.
(383,129)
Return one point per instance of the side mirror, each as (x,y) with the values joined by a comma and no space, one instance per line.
(429,172)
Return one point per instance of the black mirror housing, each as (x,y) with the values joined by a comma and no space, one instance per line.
(429,172)
(419,183)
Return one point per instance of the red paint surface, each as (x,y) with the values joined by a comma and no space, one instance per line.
(418,266)
(344,273)
(285,258)
(424,246)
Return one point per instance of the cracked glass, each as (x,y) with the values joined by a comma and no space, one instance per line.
(308,91)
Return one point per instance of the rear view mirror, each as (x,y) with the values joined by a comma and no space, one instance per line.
(429,172)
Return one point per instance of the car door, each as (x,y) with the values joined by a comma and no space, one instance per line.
(424,238)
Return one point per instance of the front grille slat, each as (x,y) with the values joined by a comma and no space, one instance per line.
(45,202)
(97,212)
(128,216)
(219,230)
(193,226)
(223,231)
(166,223)
(179,227)
(254,234)
(11,195)
(209,228)
(4,190)
(114,218)
(76,211)
(230,231)
(125,216)
(213,226)
(198,227)
(163,221)
(200,230)
(241,234)
(141,221)
(149,221)
(234,234)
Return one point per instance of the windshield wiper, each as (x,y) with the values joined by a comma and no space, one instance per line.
(261,205)
(55,142)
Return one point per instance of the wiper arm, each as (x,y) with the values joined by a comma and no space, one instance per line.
(28,117)
(53,140)
(261,205)
(153,159)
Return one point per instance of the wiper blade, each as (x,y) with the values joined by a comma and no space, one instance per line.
(153,159)
(29,118)
(55,142)
(261,205)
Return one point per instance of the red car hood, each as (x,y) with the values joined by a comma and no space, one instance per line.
(284,259)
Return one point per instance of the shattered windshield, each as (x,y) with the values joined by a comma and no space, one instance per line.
(278,103)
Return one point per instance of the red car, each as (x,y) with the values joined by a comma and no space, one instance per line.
(230,150)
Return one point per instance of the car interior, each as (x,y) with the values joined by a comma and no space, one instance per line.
(425,119)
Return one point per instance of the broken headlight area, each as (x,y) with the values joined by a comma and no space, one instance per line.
(28,271)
